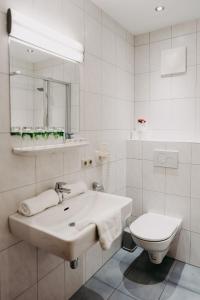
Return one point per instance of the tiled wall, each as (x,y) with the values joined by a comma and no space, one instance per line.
(171,105)
(106,116)
(174,192)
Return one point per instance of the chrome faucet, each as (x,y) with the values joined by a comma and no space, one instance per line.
(61,190)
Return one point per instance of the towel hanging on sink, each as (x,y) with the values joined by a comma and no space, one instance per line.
(109,227)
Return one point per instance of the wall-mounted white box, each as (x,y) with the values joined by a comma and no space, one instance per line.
(166,158)
(173,61)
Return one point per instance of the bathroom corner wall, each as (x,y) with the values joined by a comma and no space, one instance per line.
(105,116)
(171,105)
(173,192)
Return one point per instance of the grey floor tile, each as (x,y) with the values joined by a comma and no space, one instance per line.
(150,291)
(128,257)
(146,280)
(93,290)
(186,276)
(175,292)
(153,273)
(117,295)
(112,272)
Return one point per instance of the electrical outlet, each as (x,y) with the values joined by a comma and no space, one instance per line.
(90,162)
(86,163)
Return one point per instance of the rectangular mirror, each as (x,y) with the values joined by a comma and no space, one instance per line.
(44,92)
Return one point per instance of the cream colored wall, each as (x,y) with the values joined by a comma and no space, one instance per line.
(106,117)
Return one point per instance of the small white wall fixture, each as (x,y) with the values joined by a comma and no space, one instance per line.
(173,61)
(28,31)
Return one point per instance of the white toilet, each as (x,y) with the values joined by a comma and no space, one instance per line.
(155,233)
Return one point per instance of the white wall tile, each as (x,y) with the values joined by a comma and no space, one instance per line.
(160,86)
(109,45)
(92,111)
(93,260)
(195,244)
(184,151)
(109,78)
(195,214)
(141,39)
(195,188)
(124,85)
(184,28)
(180,248)
(156,52)
(93,37)
(148,148)
(178,180)
(196,153)
(92,10)
(160,34)
(136,195)
(178,207)
(46,263)
(12,174)
(183,86)
(198,48)
(190,42)
(153,177)
(134,149)
(123,54)
(18,266)
(142,59)
(52,286)
(108,112)
(71,18)
(142,87)
(198,83)
(198,25)
(134,173)
(30,294)
(92,74)
(4,45)
(49,166)
(153,202)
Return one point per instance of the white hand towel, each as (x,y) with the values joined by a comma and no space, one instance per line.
(75,189)
(33,206)
(109,227)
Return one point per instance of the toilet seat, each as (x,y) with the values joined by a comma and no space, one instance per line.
(154,227)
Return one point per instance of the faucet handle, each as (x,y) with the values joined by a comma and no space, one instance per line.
(59,185)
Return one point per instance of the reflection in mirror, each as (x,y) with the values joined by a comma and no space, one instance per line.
(44,92)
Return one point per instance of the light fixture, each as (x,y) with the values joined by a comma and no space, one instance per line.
(29,32)
(159,8)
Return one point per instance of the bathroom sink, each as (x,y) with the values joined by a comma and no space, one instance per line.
(53,229)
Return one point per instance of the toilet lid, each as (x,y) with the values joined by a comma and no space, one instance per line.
(154,227)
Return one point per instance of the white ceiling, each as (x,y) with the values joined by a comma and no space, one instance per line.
(139,16)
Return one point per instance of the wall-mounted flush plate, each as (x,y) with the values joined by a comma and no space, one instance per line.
(166,158)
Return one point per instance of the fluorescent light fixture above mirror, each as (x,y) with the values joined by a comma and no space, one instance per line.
(28,31)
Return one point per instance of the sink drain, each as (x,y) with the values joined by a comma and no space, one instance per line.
(72,224)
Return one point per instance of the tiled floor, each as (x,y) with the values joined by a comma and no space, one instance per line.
(128,276)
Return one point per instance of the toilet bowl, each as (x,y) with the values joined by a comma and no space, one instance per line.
(155,233)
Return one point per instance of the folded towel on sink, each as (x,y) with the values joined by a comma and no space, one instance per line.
(109,227)
(33,206)
(74,189)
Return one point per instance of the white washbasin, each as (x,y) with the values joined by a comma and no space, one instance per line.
(50,229)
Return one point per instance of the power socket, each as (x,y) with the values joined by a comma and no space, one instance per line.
(86,163)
